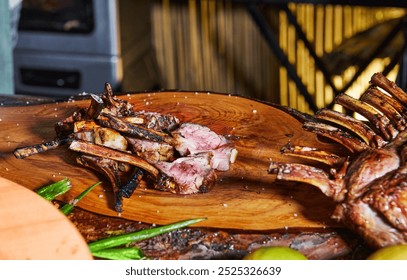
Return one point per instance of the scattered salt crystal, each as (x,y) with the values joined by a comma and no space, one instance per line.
(158,211)
(286,227)
(254,111)
(6,168)
(100,195)
(225,205)
(119,214)
(295,215)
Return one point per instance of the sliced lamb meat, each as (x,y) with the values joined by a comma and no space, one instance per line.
(128,146)
(187,175)
(191,138)
(150,150)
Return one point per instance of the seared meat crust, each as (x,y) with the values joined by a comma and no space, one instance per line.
(370,185)
(126,146)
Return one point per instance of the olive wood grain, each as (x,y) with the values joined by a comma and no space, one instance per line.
(245,197)
(33,228)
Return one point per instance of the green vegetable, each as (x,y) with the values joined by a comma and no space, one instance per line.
(394,252)
(67,208)
(50,192)
(119,240)
(275,253)
(132,253)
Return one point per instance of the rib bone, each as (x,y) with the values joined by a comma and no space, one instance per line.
(385,104)
(354,144)
(356,126)
(381,81)
(379,121)
(100,151)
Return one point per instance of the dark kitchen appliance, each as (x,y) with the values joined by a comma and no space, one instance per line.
(73,46)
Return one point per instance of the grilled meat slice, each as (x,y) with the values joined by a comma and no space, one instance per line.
(96,106)
(380,213)
(131,129)
(150,150)
(187,175)
(114,105)
(154,120)
(65,127)
(191,138)
(110,169)
(105,152)
(127,146)
(130,186)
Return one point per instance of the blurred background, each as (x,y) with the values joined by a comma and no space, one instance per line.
(295,53)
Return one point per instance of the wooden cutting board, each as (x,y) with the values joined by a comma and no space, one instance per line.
(32,228)
(245,197)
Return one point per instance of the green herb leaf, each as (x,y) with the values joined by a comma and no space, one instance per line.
(67,208)
(115,241)
(50,192)
(132,253)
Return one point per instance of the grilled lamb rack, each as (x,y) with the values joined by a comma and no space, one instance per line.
(369,184)
(127,146)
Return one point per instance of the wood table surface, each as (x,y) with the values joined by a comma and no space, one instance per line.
(247,207)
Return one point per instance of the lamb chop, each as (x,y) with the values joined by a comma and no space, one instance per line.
(369,184)
(128,146)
